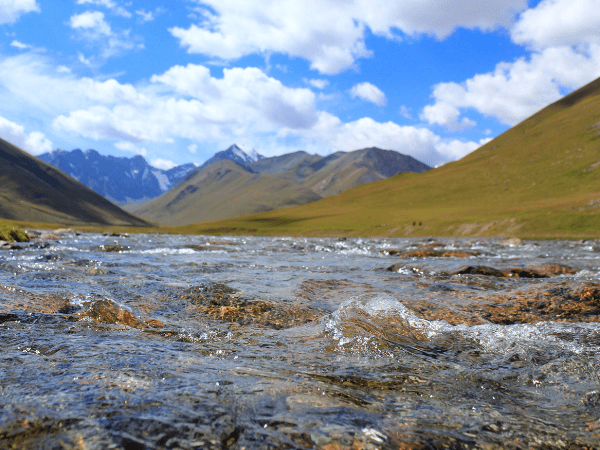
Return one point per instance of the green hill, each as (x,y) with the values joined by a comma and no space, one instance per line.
(541,178)
(33,191)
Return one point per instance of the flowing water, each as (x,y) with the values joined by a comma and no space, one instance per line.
(156,341)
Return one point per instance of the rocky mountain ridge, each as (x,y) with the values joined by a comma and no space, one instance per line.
(119,179)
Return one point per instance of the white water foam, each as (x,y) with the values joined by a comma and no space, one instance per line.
(577,338)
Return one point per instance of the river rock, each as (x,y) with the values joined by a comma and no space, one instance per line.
(4,245)
(222,303)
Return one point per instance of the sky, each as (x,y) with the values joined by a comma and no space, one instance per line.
(176,81)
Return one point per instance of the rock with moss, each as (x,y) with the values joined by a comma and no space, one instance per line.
(13,234)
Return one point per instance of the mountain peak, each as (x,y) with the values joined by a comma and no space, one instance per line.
(243,155)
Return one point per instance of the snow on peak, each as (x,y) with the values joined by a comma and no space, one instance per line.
(244,155)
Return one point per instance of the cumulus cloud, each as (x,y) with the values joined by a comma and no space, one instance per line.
(20,45)
(369,93)
(163,164)
(91,20)
(93,27)
(188,103)
(195,105)
(329,33)
(145,16)
(331,134)
(110,4)
(11,10)
(514,91)
(318,83)
(554,23)
(34,142)
(564,37)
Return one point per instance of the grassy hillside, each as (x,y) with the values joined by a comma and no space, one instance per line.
(220,189)
(33,191)
(538,179)
(227,189)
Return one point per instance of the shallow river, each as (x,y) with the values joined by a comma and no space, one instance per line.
(155,341)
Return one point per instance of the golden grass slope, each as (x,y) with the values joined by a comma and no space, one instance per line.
(227,189)
(33,191)
(223,189)
(541,178)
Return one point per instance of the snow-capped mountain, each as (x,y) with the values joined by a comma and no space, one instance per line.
(122,180)
(234,153)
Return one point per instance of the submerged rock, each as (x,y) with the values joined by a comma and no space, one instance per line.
(515,272)
(220,302)
(109,312)
(560,304)
(544,271)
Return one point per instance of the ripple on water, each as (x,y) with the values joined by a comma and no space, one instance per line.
(200,342)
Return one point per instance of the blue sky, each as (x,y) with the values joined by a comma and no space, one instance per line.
(178,81)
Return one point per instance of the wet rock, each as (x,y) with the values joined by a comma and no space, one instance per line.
(438,253)
(515,272)
(67,231)
(114,234)
(4,245)
(109,312)
(8,318)
(198,248)
(561,304)
(112,248)
(552,270)
(481,270)
(13,234)
(49,237)
(511,242)
(220,302)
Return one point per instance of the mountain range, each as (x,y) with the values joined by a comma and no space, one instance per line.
(32,190)
(120,180)
(229,187)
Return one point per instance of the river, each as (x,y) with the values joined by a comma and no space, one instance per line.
(154,341)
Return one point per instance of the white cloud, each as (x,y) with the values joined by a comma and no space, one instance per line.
(93,27)
(188,103)
(405,112)
(145,16)
(34,142)
(110,4)
(83,60)
(514,91)
(317,83)
(329,33)
(19,45)
(555,23)
(163,164)
(245,92)
(130,147)
(11,10)
(193,148)
(565,38)
(91,20)
(331,134)
(369,93)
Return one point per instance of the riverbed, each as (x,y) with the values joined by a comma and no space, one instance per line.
(162,342)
